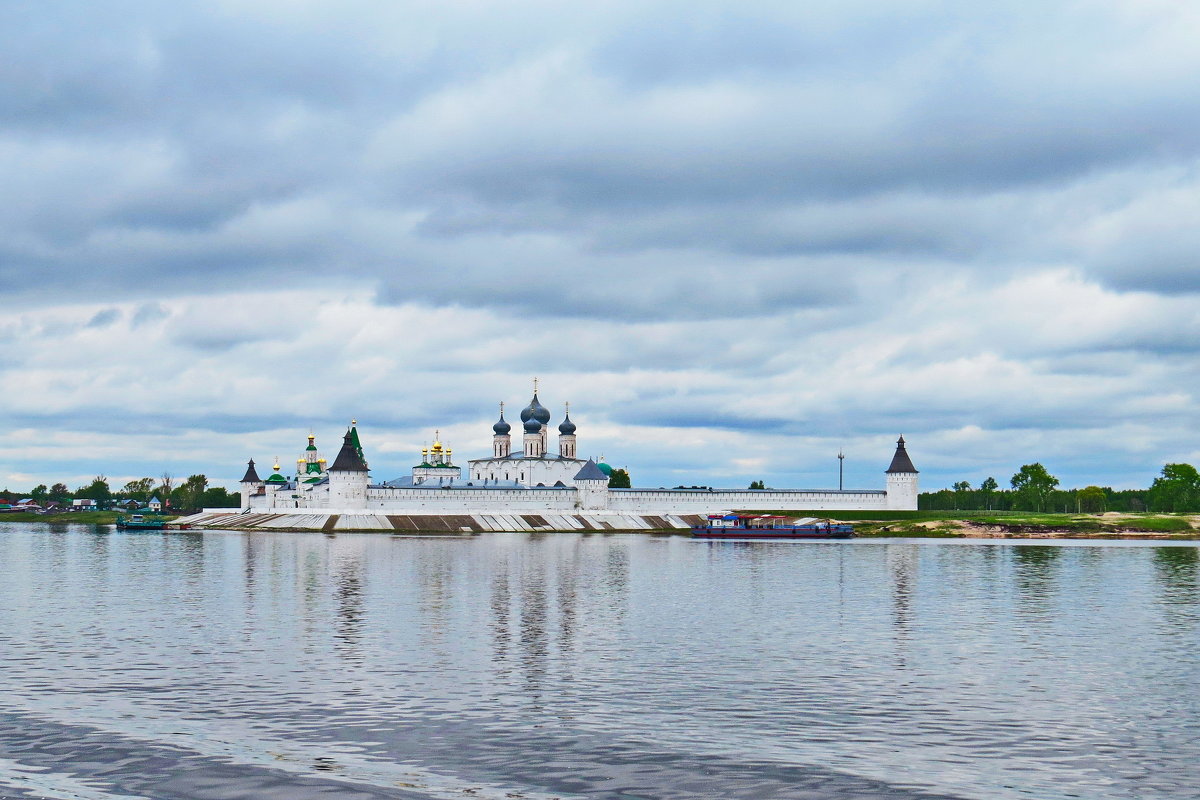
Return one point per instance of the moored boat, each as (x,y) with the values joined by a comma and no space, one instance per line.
(141,522)
(767,526)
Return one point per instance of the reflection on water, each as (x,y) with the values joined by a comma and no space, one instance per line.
(1178,572)
(296,665)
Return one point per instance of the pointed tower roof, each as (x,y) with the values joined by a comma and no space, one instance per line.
(251,475)
(349,458)
(590,472)
(901,462)
(354,439)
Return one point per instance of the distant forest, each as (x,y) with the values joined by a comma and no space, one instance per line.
(1033,488)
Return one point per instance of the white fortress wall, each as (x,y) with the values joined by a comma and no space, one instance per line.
(421,500)
(703,501)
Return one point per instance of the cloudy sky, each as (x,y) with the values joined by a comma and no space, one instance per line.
(735,236)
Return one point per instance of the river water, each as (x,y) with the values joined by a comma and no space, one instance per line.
(226,665)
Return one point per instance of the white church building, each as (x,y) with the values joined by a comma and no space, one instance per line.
(541,478)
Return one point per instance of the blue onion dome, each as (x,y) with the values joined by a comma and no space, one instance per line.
(535,410)
(502,428)
(567,427)
(533,426)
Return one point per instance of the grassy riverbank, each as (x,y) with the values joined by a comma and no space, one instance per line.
(78,517)
(1013,524)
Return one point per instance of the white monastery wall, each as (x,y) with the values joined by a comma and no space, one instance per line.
(700,501)
(420,500)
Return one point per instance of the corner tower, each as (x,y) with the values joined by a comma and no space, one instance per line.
(251,484)
(901,481)
(348,476)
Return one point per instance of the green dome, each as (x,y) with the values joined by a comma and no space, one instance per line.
(276,478)
(605,468)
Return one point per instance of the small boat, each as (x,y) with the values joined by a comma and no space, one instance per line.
(766,526)
(141,522)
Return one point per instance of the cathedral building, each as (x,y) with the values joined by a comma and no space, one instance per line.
(533,464)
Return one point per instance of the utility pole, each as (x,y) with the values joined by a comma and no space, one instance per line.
(841,461)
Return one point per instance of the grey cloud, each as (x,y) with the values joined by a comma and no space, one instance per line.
(148,314)
(669,289)
(102,319)
(776,132)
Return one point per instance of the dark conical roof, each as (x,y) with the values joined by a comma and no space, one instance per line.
(590,472)
(251,475)
(349,458)
(901,462)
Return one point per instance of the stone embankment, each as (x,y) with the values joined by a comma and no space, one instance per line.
(435,523)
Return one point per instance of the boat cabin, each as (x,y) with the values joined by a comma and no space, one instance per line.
(749,521)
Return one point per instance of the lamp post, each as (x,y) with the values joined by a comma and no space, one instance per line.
(841,461)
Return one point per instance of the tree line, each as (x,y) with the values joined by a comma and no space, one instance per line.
(179,497)
(1033,488)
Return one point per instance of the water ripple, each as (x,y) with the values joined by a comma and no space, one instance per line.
(570,666)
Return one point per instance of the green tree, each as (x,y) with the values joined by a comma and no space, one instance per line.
(1033,486)
(39,494)
(220,497)
(59,493)
(97,490)
(988,487)
(619,479)
(757,485)
(139,490)
(1176,489)
(1093,499)
(960,492)
(189,495)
